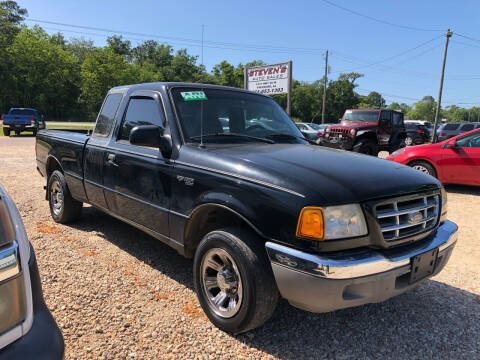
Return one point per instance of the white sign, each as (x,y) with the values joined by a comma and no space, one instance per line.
(269,79)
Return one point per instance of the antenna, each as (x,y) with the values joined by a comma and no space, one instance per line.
(203,30)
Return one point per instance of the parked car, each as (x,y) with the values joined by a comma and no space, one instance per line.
(427,126)
(416,134)
(367,131)
(309,130)
(455,160)
(453,129)
(27,329)
(261,211)
(22,119)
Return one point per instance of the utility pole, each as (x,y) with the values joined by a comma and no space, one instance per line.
(448,34)
(325,88)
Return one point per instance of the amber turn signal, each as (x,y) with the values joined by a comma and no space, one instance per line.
(310,223)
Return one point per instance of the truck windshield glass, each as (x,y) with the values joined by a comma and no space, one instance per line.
(225,111)
(366,116)
(22,112)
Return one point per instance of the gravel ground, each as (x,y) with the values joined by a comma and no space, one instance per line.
(119,294)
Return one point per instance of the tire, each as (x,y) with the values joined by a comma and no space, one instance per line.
(243,271)
(424,167)
(34,132)
(367,147)
(409,141)
(18,133)
(63,208)
(6,132)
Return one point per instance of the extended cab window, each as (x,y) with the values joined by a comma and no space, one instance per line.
(105,118)
(140,111)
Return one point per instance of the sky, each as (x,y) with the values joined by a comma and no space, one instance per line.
(397,45)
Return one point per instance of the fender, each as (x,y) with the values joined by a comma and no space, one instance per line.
(363,132)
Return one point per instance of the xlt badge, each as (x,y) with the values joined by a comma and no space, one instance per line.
(188,181)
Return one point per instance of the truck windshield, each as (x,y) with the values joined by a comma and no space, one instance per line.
(219,112)
(22,112)
(366,116)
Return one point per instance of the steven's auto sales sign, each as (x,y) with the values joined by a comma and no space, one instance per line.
(269,79)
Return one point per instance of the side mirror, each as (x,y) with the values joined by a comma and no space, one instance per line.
(452,144)
(151,136)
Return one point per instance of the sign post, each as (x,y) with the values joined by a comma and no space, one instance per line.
(270,80)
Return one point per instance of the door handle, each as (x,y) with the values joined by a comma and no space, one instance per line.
(111,160)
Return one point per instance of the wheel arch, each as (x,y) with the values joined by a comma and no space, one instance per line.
(52,164)
(211,216)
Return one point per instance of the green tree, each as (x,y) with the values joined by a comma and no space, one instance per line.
(43,74)
(119,46)
(102,70)
(423,109)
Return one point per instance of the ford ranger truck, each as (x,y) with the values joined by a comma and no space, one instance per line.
(19,120)
(367,131)
(225,177)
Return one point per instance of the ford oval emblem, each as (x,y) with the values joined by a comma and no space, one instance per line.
(415,218)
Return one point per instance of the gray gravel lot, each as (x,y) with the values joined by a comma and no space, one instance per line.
(116,293)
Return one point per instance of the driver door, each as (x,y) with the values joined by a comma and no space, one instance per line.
(461,164)
(138,178)
(385,128)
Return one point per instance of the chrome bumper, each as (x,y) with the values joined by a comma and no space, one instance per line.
(328,282)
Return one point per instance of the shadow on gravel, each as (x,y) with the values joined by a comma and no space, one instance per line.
(435,321)
(463,189)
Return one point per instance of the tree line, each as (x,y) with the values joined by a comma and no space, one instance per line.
(68,79)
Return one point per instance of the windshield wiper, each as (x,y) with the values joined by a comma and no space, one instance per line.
(274,135)
(233,135)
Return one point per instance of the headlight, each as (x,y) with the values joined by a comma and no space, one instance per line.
(444,200)
(327,130)
(333,222)
(352,132)
(397,152)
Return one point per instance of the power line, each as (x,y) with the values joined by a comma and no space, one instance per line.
(394,56)
(378,20)
(467,37)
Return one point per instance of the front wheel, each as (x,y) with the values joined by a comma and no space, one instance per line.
(6,132)
(63,207)
(233,280)
(367,147)
(424,167)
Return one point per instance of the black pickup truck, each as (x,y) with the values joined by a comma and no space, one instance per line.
(225,177)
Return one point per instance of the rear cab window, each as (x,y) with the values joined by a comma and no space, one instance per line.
(105,119)
(140,111)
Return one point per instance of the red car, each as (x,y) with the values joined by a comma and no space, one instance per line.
(453,161)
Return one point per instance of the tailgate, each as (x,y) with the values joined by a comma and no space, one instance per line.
(16,120)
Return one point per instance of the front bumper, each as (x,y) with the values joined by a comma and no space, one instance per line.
(44,340)
(328,282)
(344,143)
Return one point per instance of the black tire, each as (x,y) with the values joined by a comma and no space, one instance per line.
(6,132)
(63,208)
(424,167)
(18,133)
(366,146)
(34,132)
(257,288)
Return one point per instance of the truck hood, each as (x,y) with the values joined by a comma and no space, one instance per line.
(323,176)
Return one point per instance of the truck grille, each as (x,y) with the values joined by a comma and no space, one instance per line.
(337,132)
(408,216)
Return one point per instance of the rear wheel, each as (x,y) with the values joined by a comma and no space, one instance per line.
(6,132)
(17,132)
(63,207)
(424,167)
(233,280)
(367,147)
(34,132)
(408,141)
